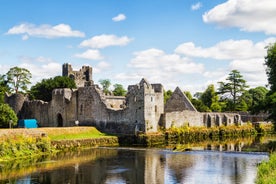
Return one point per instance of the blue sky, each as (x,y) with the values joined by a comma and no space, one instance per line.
(184,43)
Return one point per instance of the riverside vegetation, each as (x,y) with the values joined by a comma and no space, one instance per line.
(26,143)
(32,143)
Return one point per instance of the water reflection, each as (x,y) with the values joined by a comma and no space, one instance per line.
(126,165)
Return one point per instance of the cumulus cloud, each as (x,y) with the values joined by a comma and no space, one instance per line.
(248,15)
(44,31)
(102,41)
(40,67)
(196,6)
(242,55)
(226,50)
(160,67)
(101,66)
(119,18)
(90,54)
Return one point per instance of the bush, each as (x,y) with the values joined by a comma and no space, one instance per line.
(7,115)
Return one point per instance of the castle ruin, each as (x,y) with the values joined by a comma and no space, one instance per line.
(141,110)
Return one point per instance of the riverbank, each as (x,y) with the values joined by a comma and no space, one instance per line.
(21,143)
(26,143)
(187,134)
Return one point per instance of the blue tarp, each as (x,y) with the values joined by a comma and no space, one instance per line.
(27,123)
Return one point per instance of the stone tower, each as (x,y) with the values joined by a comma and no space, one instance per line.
(82,78)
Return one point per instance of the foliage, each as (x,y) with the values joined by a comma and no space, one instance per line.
(18,79)
(267,171)
(270,62)
(105,83)
(7,116)
(210,99)
(234,88)
(258,96)
(167,95)
(198,104)
(188,95)
(3,87)
(23,146)
(119,90)
(43,90)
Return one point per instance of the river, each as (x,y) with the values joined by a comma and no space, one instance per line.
(209,164)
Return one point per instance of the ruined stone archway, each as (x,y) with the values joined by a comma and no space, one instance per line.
(59,120)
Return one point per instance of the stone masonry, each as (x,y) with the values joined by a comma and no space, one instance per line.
(141,110)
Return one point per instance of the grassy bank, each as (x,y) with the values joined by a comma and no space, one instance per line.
(267,171)
(25,143)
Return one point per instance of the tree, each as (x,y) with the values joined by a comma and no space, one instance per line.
(258,96)
(234,88)
(210,98)
(119,90)
(7,116)
(18,79)
(167,95)
(270,62)
(3,88)
(43,90)
(105,83)
(188,95)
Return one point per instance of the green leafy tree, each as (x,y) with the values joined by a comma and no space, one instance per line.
(105,83)
(233,89)
(258,96)
(119,90)
(199,105)
(167,95)
(3,88)
(18,79)
(43,90)
(188,95)
(270,62)
(7,116)
(211,99)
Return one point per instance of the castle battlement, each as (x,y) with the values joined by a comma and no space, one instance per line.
(141,110)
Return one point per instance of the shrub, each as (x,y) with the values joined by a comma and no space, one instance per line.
(7,115)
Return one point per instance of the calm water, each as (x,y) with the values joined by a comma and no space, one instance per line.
(135,165)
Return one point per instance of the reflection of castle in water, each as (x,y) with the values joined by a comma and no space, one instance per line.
(154,166)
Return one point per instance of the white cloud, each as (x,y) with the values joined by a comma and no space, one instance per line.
(40,67)
(101,66)
(160,67)
(248,15)
(119,17)
(44,31)
(196,6)
(90,54)
(102,41)
(226,50)
(242,55)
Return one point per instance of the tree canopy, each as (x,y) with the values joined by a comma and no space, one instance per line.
(233,89)
(7,116)
(270,62)
(43,90)
(18,79)
(119,90)
(105,83)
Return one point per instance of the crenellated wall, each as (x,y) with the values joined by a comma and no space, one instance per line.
(142,110)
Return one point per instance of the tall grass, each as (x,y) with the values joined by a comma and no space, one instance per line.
(21,146)
(267,171)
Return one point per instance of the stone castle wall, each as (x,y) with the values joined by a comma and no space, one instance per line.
(142,110)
